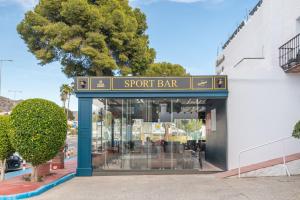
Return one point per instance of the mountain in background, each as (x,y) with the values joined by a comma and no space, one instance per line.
(6,104)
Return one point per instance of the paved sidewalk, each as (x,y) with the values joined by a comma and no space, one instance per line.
(176,187)
(13,174)
(16,185)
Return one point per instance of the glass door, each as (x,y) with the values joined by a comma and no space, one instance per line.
(146,134)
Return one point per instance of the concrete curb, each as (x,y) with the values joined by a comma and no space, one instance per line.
(39,190)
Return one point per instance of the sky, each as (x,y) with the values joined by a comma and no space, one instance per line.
(185,32)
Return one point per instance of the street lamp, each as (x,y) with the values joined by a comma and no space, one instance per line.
(1,63)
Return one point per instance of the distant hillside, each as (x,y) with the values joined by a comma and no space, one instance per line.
(7,104)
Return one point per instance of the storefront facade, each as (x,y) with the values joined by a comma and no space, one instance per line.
(147,124)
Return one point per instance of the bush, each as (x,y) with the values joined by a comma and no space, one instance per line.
(40,130)
(296,132)
(6,148)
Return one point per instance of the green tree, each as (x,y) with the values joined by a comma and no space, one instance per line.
(40,128)
(5,146)
(296,132)
(65,94)
(88,37)
(165,69)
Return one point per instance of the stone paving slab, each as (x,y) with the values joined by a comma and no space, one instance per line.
(176,187)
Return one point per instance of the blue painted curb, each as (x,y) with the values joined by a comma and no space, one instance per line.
(39,190)
(13,174)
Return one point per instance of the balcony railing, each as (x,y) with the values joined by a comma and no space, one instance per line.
(289,55)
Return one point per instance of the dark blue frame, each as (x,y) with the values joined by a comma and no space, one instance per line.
(85,101)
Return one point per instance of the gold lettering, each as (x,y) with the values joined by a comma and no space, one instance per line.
(138,83)
(167,84)
(146,83)
(132,82)
(160,83)
(151,83)
(127,83)
(174,83)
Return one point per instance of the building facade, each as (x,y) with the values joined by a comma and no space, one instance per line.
(152,124)
(261,60)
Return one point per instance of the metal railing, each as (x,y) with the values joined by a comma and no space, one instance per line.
(266,144)
(289,53)
(242,24)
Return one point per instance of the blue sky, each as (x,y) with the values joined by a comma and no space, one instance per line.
(186,32)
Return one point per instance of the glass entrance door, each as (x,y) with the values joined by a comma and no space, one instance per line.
(146,134)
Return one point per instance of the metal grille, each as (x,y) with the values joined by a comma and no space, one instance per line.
(289,53)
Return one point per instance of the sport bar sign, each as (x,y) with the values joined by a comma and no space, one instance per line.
(196,83)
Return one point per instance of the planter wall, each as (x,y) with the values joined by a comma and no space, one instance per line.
(43,169)
(58,161)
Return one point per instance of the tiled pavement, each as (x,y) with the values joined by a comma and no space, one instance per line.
(17,185)
(176,187)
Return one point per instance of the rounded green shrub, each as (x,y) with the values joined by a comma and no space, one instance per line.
(6,148)
(40,128)
(296,132)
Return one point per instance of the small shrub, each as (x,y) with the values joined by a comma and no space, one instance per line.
(40,128)
(296,132)
(6,148)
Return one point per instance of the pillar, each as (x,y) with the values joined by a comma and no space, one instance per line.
(84,160)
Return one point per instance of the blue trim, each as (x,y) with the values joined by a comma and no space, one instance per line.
(84,157)
(142,94)
(10,175)
(85,101)
(84,172)
(21,172)
(39,190)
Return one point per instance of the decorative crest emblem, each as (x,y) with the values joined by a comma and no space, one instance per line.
(100,84)
(202,83)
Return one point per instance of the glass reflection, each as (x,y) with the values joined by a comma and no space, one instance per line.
(148,134)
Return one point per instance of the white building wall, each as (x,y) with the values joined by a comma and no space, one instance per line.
(264,101)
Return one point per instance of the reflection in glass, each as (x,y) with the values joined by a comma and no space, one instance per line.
(148,134)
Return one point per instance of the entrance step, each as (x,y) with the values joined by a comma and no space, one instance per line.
(272,167)
(150,172)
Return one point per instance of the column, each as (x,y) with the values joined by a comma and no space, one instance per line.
(84,165)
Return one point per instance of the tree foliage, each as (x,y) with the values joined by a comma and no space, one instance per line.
(165,69)
(63,95)
(296,132)
(40,128)
(65,92)
(6,148)
(88,37)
